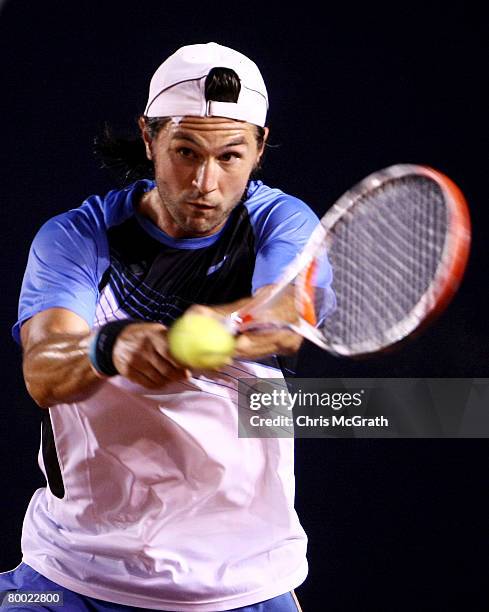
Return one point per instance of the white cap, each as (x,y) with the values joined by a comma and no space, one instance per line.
(178,86)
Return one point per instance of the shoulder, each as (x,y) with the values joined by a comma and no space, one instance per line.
(272,210)
(92,219)
(261,199)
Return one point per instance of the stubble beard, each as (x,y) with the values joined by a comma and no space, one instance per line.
(195,226)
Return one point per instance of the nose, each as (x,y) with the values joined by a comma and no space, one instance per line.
(206,177)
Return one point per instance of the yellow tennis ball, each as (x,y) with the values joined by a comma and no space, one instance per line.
(198,341)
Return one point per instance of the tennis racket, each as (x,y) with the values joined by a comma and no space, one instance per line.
(398,244)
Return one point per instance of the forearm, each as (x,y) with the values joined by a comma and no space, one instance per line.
(259,344)
(252,344)
(57,370)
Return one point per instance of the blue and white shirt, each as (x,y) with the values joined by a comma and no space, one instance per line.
(152,499)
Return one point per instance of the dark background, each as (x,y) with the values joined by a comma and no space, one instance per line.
(393,524)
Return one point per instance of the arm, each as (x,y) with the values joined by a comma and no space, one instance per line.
(55,363)
(275,342)
(250,345)
(58,300)
(57,368)
(259,344)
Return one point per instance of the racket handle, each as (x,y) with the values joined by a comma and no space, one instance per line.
(235,321)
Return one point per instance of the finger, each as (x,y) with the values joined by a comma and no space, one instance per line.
(148,362)
(162,352)
(154,378)
(142,379)
(147,345)
(163,365)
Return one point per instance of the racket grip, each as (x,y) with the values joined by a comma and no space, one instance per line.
(235,321)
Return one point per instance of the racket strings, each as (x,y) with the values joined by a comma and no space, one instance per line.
(384,257)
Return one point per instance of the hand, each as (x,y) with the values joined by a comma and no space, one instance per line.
(141,355)
(253,344)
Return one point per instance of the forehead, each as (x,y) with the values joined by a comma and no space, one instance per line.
(211,130)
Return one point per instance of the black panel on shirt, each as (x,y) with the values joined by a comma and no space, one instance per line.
(50,457)
(156,282)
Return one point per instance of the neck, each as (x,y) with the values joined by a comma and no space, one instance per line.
(150,206)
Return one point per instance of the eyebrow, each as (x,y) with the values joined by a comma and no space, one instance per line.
(234,143)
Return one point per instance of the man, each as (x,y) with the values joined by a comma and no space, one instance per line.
(153,501)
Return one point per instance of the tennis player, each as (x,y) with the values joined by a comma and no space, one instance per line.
(152,501)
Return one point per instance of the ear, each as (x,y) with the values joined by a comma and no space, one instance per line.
(146,137)
(262,149)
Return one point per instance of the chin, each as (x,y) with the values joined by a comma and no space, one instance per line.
(196,229)
(203,231)
(201,227)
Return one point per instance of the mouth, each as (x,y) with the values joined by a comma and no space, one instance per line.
(201,205)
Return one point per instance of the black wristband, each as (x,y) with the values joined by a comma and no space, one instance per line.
(100,350)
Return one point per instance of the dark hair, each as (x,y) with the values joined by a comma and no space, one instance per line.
(126,155)
(222,85)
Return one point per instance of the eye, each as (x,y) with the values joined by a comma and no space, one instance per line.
(230,156)
(186,153)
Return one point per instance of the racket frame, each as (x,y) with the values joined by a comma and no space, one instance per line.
(440,291)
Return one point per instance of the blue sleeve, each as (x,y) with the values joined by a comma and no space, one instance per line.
(66,261)
(282,230)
